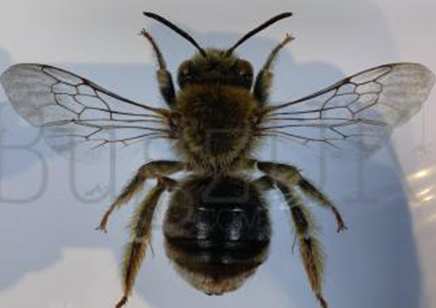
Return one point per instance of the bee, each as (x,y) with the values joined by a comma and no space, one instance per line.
(217,227)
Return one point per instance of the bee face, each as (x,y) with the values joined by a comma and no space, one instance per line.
(218,67)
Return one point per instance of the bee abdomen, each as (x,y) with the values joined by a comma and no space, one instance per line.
(216,210)
(217,231)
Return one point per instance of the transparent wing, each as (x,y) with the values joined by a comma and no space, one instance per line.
(77,115)
(356,114)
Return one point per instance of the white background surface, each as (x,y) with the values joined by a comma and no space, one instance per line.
(52,258)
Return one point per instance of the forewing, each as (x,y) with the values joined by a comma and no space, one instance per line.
(356,114)
(76,115)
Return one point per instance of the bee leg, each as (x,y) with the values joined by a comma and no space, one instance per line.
(314,194)
(310,248)
(164,78)
(265,183)
(264,77)
(150,170)
(293,178)
(140,230)
(305,229)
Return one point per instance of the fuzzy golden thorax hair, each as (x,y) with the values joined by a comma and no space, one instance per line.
(216,123)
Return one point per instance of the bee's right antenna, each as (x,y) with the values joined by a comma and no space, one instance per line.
(256,30)
(176,29)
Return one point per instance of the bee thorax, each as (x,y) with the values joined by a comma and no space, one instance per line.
(215,125)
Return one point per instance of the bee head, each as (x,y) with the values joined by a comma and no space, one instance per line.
(213,65)
(216,66)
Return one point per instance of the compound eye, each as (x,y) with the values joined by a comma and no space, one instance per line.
(186,72)
(185,69)
(244,68)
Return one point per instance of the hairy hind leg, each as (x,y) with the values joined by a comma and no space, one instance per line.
(151,170)
(310,248)
(291,177)
(140,233)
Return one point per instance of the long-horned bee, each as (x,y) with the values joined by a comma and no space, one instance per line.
(217,228)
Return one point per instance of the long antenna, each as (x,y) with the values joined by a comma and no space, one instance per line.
(256,30)
(176,29)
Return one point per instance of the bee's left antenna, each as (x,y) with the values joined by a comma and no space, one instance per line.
(177,30)
(256,30)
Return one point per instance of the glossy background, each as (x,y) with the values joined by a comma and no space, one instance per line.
(50,256)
